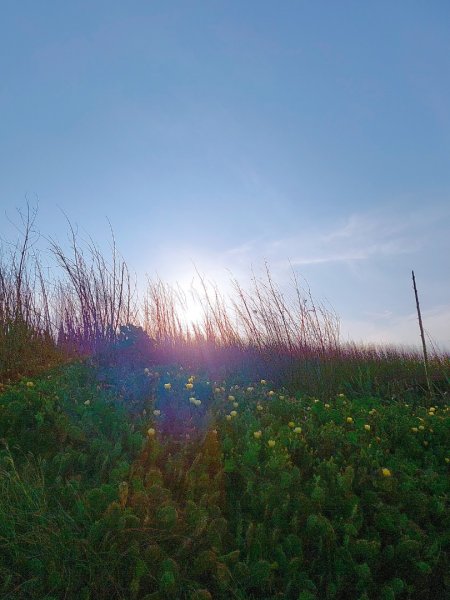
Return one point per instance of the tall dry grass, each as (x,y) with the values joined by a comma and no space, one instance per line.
(257,330)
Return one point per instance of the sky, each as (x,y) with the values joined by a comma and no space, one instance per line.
(218,135)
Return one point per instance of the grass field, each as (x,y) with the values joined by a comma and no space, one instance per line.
(256,460)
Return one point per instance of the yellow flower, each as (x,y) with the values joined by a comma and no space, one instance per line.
(259,407)
(156,412)
(271,443)
(233,413)
(191,379)
(447,460)
(257,434)
(385,472)
(192,400)
(271,393)
(189,386)
(372,412)
(250,389)
(298,430)
(414,429)
(281,397)
(197,402)
(228,417)
(432,409)
(316,400)
(291,424)
(349,420)
(341,395)
(421,427)
(217,390)
(327,405)
(263,382)
(87,402)
(367,427)
(151,432)
(30,384)
(235,404)
(167,386)
(231,398)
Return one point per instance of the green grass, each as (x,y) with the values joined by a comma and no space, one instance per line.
(348,500)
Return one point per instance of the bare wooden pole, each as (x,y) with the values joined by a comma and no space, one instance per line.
(425,355)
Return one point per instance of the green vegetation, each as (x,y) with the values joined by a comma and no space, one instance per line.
(248,492)
(248,456)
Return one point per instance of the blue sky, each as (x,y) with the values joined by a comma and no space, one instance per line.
(224,134)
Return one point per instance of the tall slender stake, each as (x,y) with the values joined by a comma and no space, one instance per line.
(425,355)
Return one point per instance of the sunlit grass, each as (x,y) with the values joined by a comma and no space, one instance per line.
(247,455)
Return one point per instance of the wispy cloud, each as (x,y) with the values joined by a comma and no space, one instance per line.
(358,237)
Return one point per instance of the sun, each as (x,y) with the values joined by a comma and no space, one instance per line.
(191,310)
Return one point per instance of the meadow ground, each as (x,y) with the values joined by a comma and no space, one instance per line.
(156,482)
(248,456)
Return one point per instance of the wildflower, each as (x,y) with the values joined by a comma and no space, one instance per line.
(316,400)
(235,404)
(386,472)
(257,434)
(291,424)
(447,460)
(30,384)
(192,400)
(372,412)
(228,417)
(414,429)
(167,386)
(197,402)
(378,439)
(250,389)
(231,398)
(146,371)
(367,427)
(271,443)
(349,420)
(259,407)
(281,397)
(327,405)
(222,389)
(151,432)
(421,427)
(263,382)
(189,386)
(271,393)
(425,443)
(341,395)
(191,379)
(87,402)
(217,390)
(156,412)
(432,409)
(233,413)
(298,430)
